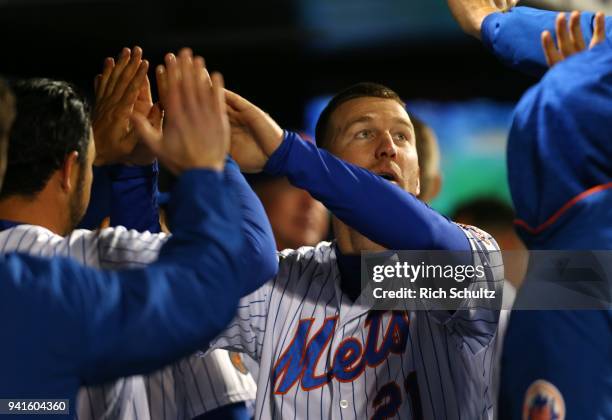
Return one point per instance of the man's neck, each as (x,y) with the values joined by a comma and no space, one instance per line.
(351,242)
(32,211)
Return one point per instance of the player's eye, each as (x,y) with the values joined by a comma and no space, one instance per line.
(364,134)
(400,137)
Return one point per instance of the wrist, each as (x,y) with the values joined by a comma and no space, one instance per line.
(278,159)
(215,166)
(276,139)
(477,17)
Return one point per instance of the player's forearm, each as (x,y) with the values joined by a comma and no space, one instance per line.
(134,197)
(178,304)
(259,252)
(378,209)
(514,36)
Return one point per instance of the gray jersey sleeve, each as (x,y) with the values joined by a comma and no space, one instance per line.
(245,334)
(476,325)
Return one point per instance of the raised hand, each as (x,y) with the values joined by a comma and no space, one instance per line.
(255,135)
(570,40)
(119,93)
(142,155)
(197,132)
(469,14)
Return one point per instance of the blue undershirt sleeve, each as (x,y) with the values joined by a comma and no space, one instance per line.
(100,199)
(514,36)
(134,197)
(259,253)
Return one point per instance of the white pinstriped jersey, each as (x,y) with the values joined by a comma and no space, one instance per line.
(321,355)
(214,381)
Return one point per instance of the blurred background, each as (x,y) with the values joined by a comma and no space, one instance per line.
(289,56)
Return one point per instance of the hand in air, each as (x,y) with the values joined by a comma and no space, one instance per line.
(570,40)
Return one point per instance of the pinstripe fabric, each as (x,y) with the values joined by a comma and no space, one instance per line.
(439,365)
(159,395)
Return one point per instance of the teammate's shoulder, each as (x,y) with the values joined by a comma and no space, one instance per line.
(15,238)
(121,232)
(320,250)
(25,228)
(479,239)
(320,254)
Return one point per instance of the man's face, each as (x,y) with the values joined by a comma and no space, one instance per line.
(297,219)
(376,134)
(81,194)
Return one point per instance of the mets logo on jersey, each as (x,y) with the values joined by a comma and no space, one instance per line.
(300,358)
(543,401)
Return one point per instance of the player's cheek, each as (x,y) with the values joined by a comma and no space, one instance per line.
(409,160)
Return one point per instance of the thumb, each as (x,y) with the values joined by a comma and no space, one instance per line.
(156,117)
(237,102)
(147,133)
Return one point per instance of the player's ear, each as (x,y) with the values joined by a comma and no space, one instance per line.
(69,171)
(436,185)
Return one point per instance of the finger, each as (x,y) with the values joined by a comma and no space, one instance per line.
(127,101)
(145,91)
(161,76)
(144,101)
(553,56)
(576,32)
(124,57)
(234,116)
(200,63)
(109,64)
(173,107)
(599,31)
(147,132)
(173,96)
(236,101)
(188,82)
(203,81)
(156,117)
(563,39)
(218,91)
(127,75)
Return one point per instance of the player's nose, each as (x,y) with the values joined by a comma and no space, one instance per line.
(386,147)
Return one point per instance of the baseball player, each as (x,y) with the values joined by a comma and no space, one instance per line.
(34,225)
(322,352)
(211,387)
(556,364)
(70,325)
